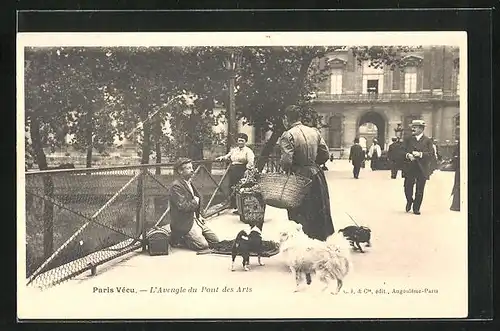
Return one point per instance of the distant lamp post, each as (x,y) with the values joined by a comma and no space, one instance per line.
(398,131)
(232,64)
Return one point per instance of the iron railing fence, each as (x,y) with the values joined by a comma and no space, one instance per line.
(77,219)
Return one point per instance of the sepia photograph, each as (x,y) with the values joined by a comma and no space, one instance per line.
(276,175)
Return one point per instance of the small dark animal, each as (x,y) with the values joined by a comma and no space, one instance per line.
(357,235)
(246,243)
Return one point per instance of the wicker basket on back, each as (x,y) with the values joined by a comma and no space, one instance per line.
(284,191)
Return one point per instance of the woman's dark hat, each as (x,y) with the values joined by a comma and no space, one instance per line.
(180,162)
(243,136)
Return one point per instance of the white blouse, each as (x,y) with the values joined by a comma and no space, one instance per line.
(243,155)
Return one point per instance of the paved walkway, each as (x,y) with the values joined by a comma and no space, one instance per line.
(417,253)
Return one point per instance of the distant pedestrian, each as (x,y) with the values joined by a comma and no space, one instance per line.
(435,160)
(374,153)
(455,205)
(395,155)
(356,157)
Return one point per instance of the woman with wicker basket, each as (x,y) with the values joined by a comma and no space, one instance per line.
(241,158)
(303,150)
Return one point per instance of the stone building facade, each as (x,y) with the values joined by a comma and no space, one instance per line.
(426,87)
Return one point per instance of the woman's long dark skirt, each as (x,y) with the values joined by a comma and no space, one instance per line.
(455,204)
(314,212)
(236,172)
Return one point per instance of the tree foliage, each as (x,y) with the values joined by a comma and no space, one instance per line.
(272,78)
(204,84)
(98,94)
(381,56)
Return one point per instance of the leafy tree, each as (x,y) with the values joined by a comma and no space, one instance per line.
(145,79)
(205,84)
(272,78)
(74,85)
(46,82)
(91,103)
(380,56)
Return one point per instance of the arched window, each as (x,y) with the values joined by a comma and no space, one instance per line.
(335,131)
(410,80)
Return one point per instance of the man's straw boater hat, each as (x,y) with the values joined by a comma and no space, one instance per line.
(417,123)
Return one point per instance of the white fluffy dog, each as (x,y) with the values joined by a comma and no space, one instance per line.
(304,256)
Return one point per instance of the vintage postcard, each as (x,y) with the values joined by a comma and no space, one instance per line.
(242,175)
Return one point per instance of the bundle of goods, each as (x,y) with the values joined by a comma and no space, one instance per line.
(251,205)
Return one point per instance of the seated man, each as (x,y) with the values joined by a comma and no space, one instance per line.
(187,225)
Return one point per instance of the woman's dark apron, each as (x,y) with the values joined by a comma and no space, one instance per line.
(236,173)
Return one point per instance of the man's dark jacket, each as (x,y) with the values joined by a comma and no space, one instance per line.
(421,166)
(183,207)
(356,155)
(395,153)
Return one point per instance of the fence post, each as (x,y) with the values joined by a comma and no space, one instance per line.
(142,218)
(48,217)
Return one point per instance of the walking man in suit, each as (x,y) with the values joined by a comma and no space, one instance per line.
(417,169)
(188,226)
(394,154)
(356,157)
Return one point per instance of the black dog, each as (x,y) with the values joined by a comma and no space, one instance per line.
(246,243)
(357,235)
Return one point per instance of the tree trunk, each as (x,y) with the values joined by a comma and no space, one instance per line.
(146,143)
(48,189)
(268,148)
(157,137)
(195,150)
(89,139)
(278,126)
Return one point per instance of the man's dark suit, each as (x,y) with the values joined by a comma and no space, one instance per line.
(356,156)
(417,171)
(396,156)
(183,208)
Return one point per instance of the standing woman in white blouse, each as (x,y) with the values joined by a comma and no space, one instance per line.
(241,158)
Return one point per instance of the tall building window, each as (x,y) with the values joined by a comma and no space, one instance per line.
(336,81)
(396,78)
(372,86)
(456,127)
(335,131)
(411,80)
